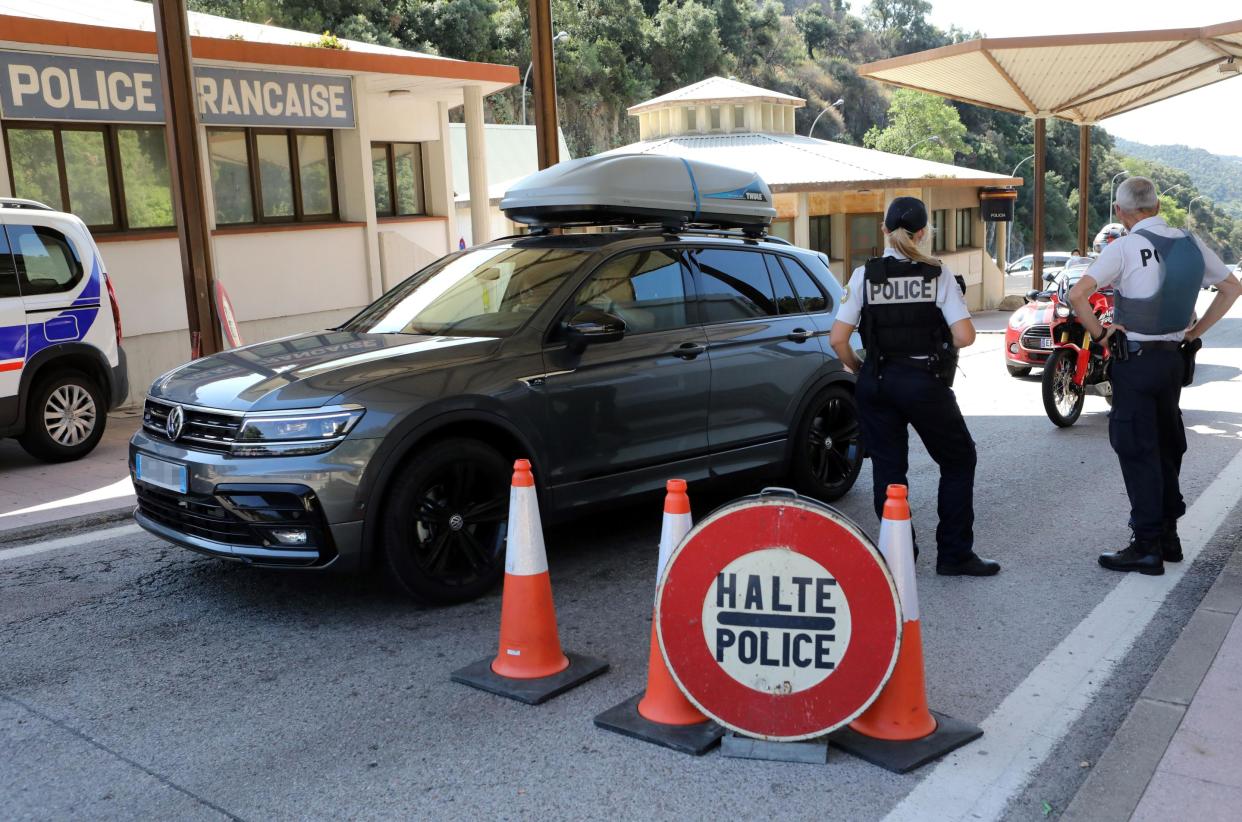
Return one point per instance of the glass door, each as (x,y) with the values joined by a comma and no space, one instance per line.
(865,239)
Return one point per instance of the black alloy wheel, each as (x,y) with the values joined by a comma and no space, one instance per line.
(1062,398)
(829,447)
(445,522)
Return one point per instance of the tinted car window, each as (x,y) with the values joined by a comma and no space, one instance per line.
(786,300)
(46,261)
(733,285)
(811,295)
(8,269)
(488,291)
(647,289)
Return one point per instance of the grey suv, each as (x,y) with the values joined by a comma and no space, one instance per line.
(613,361)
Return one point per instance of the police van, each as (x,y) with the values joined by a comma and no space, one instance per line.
(61,364)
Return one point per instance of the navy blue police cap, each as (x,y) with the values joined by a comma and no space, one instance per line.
(906,212)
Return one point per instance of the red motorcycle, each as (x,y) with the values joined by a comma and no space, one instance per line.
(1077,366)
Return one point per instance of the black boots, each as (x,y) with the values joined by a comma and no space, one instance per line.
(1142,555)
(973,566)
(1170,545)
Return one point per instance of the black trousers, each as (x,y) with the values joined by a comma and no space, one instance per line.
(1145,429)
(899,395)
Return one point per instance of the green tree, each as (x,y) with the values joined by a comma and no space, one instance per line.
(913,117)
(687,44)
(816,28)
(901,26)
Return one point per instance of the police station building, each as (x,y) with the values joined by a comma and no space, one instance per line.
(328,170)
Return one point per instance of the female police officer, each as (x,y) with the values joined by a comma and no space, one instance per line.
(913,319)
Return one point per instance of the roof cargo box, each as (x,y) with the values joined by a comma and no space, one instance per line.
(635,189)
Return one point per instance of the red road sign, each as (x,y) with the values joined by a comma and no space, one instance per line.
(778,618)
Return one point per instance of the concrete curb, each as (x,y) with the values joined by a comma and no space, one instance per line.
(1116,784)
(65,526)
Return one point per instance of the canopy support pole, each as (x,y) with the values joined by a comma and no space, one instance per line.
(1037,237)
(545,83)
(1084,186)
(185,165)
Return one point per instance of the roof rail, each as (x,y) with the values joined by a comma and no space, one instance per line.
(17,202)
(742,234)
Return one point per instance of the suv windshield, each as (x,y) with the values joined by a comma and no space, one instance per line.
(488,291)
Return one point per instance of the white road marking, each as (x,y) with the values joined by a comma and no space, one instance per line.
(1023,730)
(83,538)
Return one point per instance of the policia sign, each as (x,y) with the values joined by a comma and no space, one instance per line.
(778,618)
(91,89)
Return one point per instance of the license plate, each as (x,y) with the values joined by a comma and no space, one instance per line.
(1046,342)
(164,474)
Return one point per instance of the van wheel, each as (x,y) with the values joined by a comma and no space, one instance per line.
(445,522)
(65,417)
(828,452)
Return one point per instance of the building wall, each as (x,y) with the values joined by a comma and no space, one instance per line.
(984,280)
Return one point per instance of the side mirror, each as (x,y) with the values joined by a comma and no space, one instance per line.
(1049,276)
(1033,294)
(588,326)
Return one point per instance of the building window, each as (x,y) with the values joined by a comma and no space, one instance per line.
(940,228)
(398,172)
(739,118)
(966,227)
(714,118)
(821,234)
(115,178)
(272,175)
(692,118)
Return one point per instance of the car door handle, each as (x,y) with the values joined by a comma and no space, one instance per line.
(800,335)
(688,351)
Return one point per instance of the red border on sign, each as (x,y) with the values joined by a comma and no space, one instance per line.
(803,527)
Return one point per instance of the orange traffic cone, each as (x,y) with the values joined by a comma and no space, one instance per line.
(662,714)
(530,666)
(898,731)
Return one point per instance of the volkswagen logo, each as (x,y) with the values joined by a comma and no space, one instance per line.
(172,425)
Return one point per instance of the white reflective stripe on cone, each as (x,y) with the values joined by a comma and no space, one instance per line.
(897,546)
(524,553)
(672,532)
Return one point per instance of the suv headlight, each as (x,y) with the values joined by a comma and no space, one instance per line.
(295,433)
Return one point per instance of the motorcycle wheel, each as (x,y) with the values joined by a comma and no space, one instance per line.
(1062,399)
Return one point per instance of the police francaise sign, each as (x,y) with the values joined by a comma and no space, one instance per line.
(778,618)
(92,89)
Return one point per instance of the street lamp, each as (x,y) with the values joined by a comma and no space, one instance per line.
(561,37)
(840,102)
(1009,228)
(1170,188)
(1189,213)
(1112,192)
(935,138)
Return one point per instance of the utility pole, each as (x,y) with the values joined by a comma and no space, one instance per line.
(1084,187)
(185,167)
(545,83)
(1037,234)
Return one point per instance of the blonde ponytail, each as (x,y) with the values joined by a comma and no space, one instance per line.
(902,241)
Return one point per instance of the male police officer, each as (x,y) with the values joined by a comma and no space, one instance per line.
(913,318)
(1156,273)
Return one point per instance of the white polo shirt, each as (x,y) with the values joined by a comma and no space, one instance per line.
(1121,265)
(949,297)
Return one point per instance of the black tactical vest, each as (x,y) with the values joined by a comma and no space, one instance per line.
(900,317)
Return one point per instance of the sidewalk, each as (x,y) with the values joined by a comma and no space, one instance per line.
(1176,755)
(35,496)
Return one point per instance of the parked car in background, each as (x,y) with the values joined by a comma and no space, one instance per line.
(61,363)
(1028,336)
(1054,261)
(612,361)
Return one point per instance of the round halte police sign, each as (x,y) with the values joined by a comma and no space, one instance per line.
(777,617)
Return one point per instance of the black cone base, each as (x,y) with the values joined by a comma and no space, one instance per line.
(903,757)
(690,739)
(807,751)
(531,691)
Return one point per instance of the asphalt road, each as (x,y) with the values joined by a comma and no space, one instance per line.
(138,680)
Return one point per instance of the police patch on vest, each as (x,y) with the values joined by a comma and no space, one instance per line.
(901,290)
